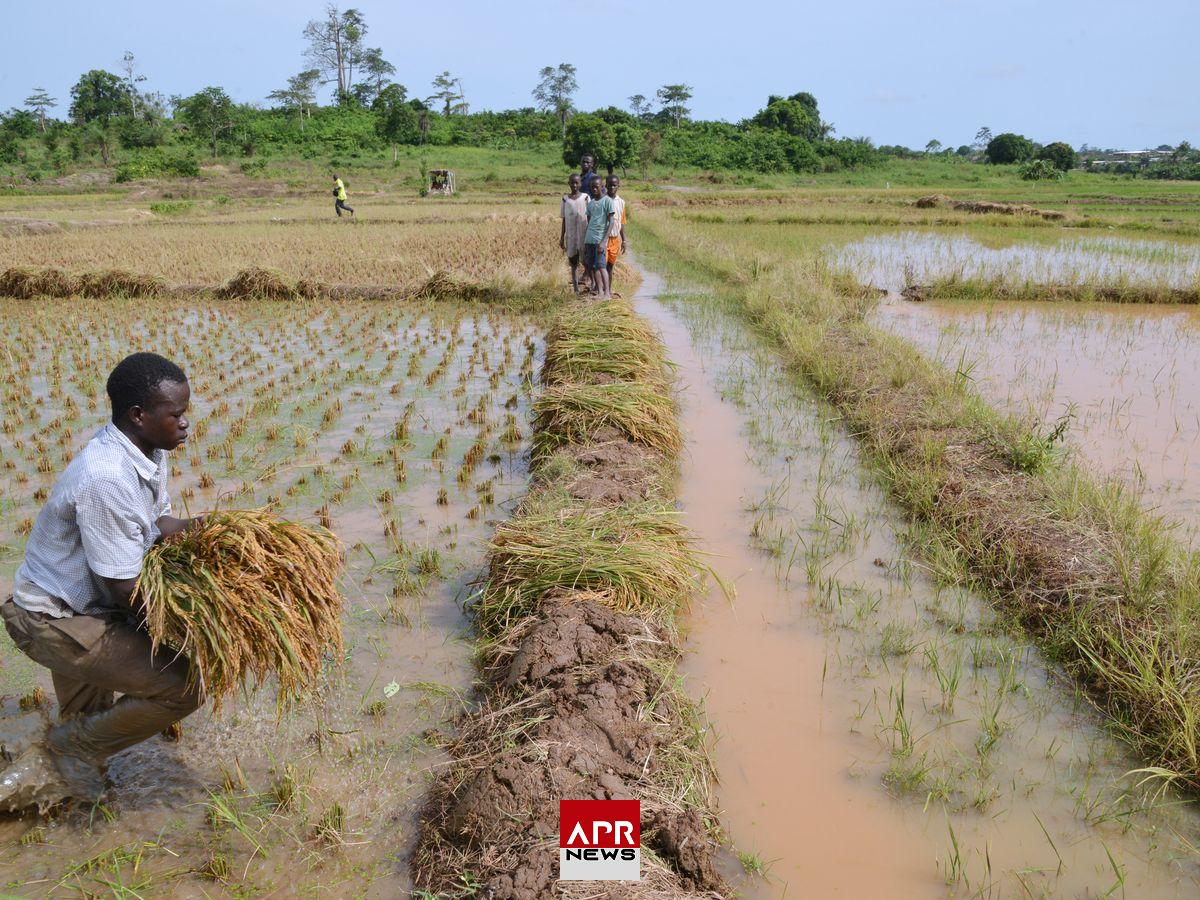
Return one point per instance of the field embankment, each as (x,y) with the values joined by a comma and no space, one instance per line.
(1101,585)
(578,643)
(25,283)
(954,287)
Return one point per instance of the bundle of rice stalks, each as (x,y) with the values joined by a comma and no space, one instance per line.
(442,286)
(310,289)
(642,411)
(26,283)
(117,282)
(638,556)
(257,283)
(606,342)
(244,596)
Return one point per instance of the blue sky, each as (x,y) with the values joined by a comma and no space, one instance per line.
(1115,74)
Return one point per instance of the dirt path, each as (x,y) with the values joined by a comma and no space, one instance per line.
(785,793)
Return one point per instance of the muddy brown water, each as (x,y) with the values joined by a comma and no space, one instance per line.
(368,742)
(761,678)
(877,733)
(1125,377)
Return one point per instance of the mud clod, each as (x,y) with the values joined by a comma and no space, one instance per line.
(570,635)
(682,838)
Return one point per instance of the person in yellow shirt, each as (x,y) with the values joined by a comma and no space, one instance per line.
(339,195)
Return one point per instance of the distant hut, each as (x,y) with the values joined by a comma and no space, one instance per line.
(441,181)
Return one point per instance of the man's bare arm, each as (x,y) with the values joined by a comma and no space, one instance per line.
(169,525)
(120,590)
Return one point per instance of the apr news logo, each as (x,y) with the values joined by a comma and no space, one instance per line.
(599,840)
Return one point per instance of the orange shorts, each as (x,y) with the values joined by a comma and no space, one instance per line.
(614,249)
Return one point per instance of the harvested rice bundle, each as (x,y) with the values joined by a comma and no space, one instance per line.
(256,283)
(246,594)
(603,342)
(26,283)
(570,413)
(636,558)
(113,282)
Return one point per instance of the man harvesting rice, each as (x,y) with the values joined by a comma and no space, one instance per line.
(70,609)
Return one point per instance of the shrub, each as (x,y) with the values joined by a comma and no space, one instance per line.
(155,164)
(1040,170)
(170,207)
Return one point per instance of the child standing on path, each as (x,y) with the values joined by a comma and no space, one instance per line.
(339,194)
(595,247)
(616,232)
(574,226)
(587,173)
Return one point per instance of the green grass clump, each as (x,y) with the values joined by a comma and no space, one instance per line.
(243,596)
(956,287)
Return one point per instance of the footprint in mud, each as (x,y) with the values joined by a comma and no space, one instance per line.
(154,773)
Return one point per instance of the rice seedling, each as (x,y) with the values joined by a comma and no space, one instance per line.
(216,868)
(35,699)
(330,828)
(115,282)
(243,596)
(284,790)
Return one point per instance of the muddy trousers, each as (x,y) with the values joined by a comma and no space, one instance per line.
(339,205)
(91,659)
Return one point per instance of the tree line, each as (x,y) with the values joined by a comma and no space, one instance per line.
(112,113)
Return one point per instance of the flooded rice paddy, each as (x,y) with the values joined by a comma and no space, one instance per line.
(399,427)
(889,260)
(1120,377)
(878,733)
(1123,378)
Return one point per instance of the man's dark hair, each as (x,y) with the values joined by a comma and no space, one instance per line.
(136,379)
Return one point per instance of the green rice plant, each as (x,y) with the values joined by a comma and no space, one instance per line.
(638,557)
(571,413)
(1151,682)
(331,826)
(958,287)
(246,595)
(753,863)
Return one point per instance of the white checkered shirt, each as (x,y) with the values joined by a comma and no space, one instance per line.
(99,521)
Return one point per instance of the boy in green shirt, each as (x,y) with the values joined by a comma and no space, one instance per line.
(595,242)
